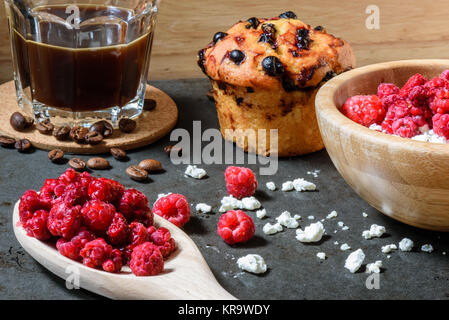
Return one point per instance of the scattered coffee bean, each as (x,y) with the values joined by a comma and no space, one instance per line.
(236,56)
(150,165)
(19,122)
(210,95)
(45,127)
(218,36)
(176,150)
(61,133)
(7,142)
(288,15)
(136,173)
(77,164)
(23,145)
(98,163)
(126,125)
(56,155)
(93,137)
(103,127)
(118,153)
(273,66)
(149,104)
(78,134)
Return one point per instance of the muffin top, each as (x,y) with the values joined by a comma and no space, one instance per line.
(281,52)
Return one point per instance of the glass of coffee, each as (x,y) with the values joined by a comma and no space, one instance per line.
(79,61)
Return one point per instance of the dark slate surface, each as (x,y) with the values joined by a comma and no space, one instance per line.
(294,270)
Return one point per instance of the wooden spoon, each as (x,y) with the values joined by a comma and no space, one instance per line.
(186,274)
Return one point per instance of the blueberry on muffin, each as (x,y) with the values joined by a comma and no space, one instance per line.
(265,74)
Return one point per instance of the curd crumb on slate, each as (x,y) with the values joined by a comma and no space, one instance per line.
(299,185)
(194,172)
(311,217)
(269,228)
(332,215)
(271,186)
(345,247)
(321,255)
(427,248)
(287,186)
(388,248)
(374,267)
(312,233)
(285,219)
(253,263)
(406,244)
(355,260)
(375,231)
(230,203)
(203,208)
(364,214)
(261,213)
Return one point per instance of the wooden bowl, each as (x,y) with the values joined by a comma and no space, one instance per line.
(405,179)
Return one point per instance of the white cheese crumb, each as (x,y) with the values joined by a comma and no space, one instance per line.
(250,203)
(406,244)
(230,203)
(364,214)
(312,233)
(194,172)
(252,263)
(269,228)
(261,213)
(341,224)
(297,216)
(344,247)
(303,185)
(203,207)
(314,173)
(374,267)
(287,186)
(271,186)
(311,217)
(331,215)
(336,243)
(375,127)
(286,220)
(345,228)
(389,247)
(355,260)
(375,231)
(427,248)
(321,255)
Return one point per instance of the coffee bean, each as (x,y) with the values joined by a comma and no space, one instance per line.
(150,165)
(20,122)
(103,127)
(236,56)
(218,36)
(176,150)
(61,133)
(56,155)
(7,142)
(98,163)
(45,127)
(136,173)
(77,164)
(149,104)
(93,137)
(23,145)
(272,66)
(118,153)
(126,125)
(78,134)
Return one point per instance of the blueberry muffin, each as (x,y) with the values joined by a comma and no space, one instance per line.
(265,74)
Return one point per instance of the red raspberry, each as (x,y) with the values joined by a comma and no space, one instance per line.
(445,75)
(36,226)
(85,179)
(114,263)
(71,248)
(75,194)
(441,124)
(162,239)
(147,218)
(105,190)
(69,176)
(146,260)
(95,253)
(365,110)
(418,96)
(118,231)
(29,203)
(174,208)
(64,220)
(386,89)
(133,204)
(138,234)
(240,182)
(235,226)
(405,127)
(439,103)
(98,215)
(413,81)
(51,190)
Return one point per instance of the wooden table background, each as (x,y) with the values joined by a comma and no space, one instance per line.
(408,29)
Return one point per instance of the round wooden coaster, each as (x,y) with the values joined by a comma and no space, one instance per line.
(151,125)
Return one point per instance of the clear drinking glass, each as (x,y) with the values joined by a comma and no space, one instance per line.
(77,61)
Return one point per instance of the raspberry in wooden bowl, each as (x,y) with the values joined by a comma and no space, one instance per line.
(404,178)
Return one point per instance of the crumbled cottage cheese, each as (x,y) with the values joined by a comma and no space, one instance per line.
(341,224)
(427,248)
(406,244)
(286,220)
(388,248)
(345,247)
(261,213)
(332,215)
(311,217)
(374,267)
(230,203)
(364,214)
(429,136)
(299,185)
(345,228)
(297,216)
(271,186)
(269,228)
(194,172)
(203,207)
(375,231)
(321,255)
(314,173)
(355,260)
(312,233)
(287,186)
(252,263)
